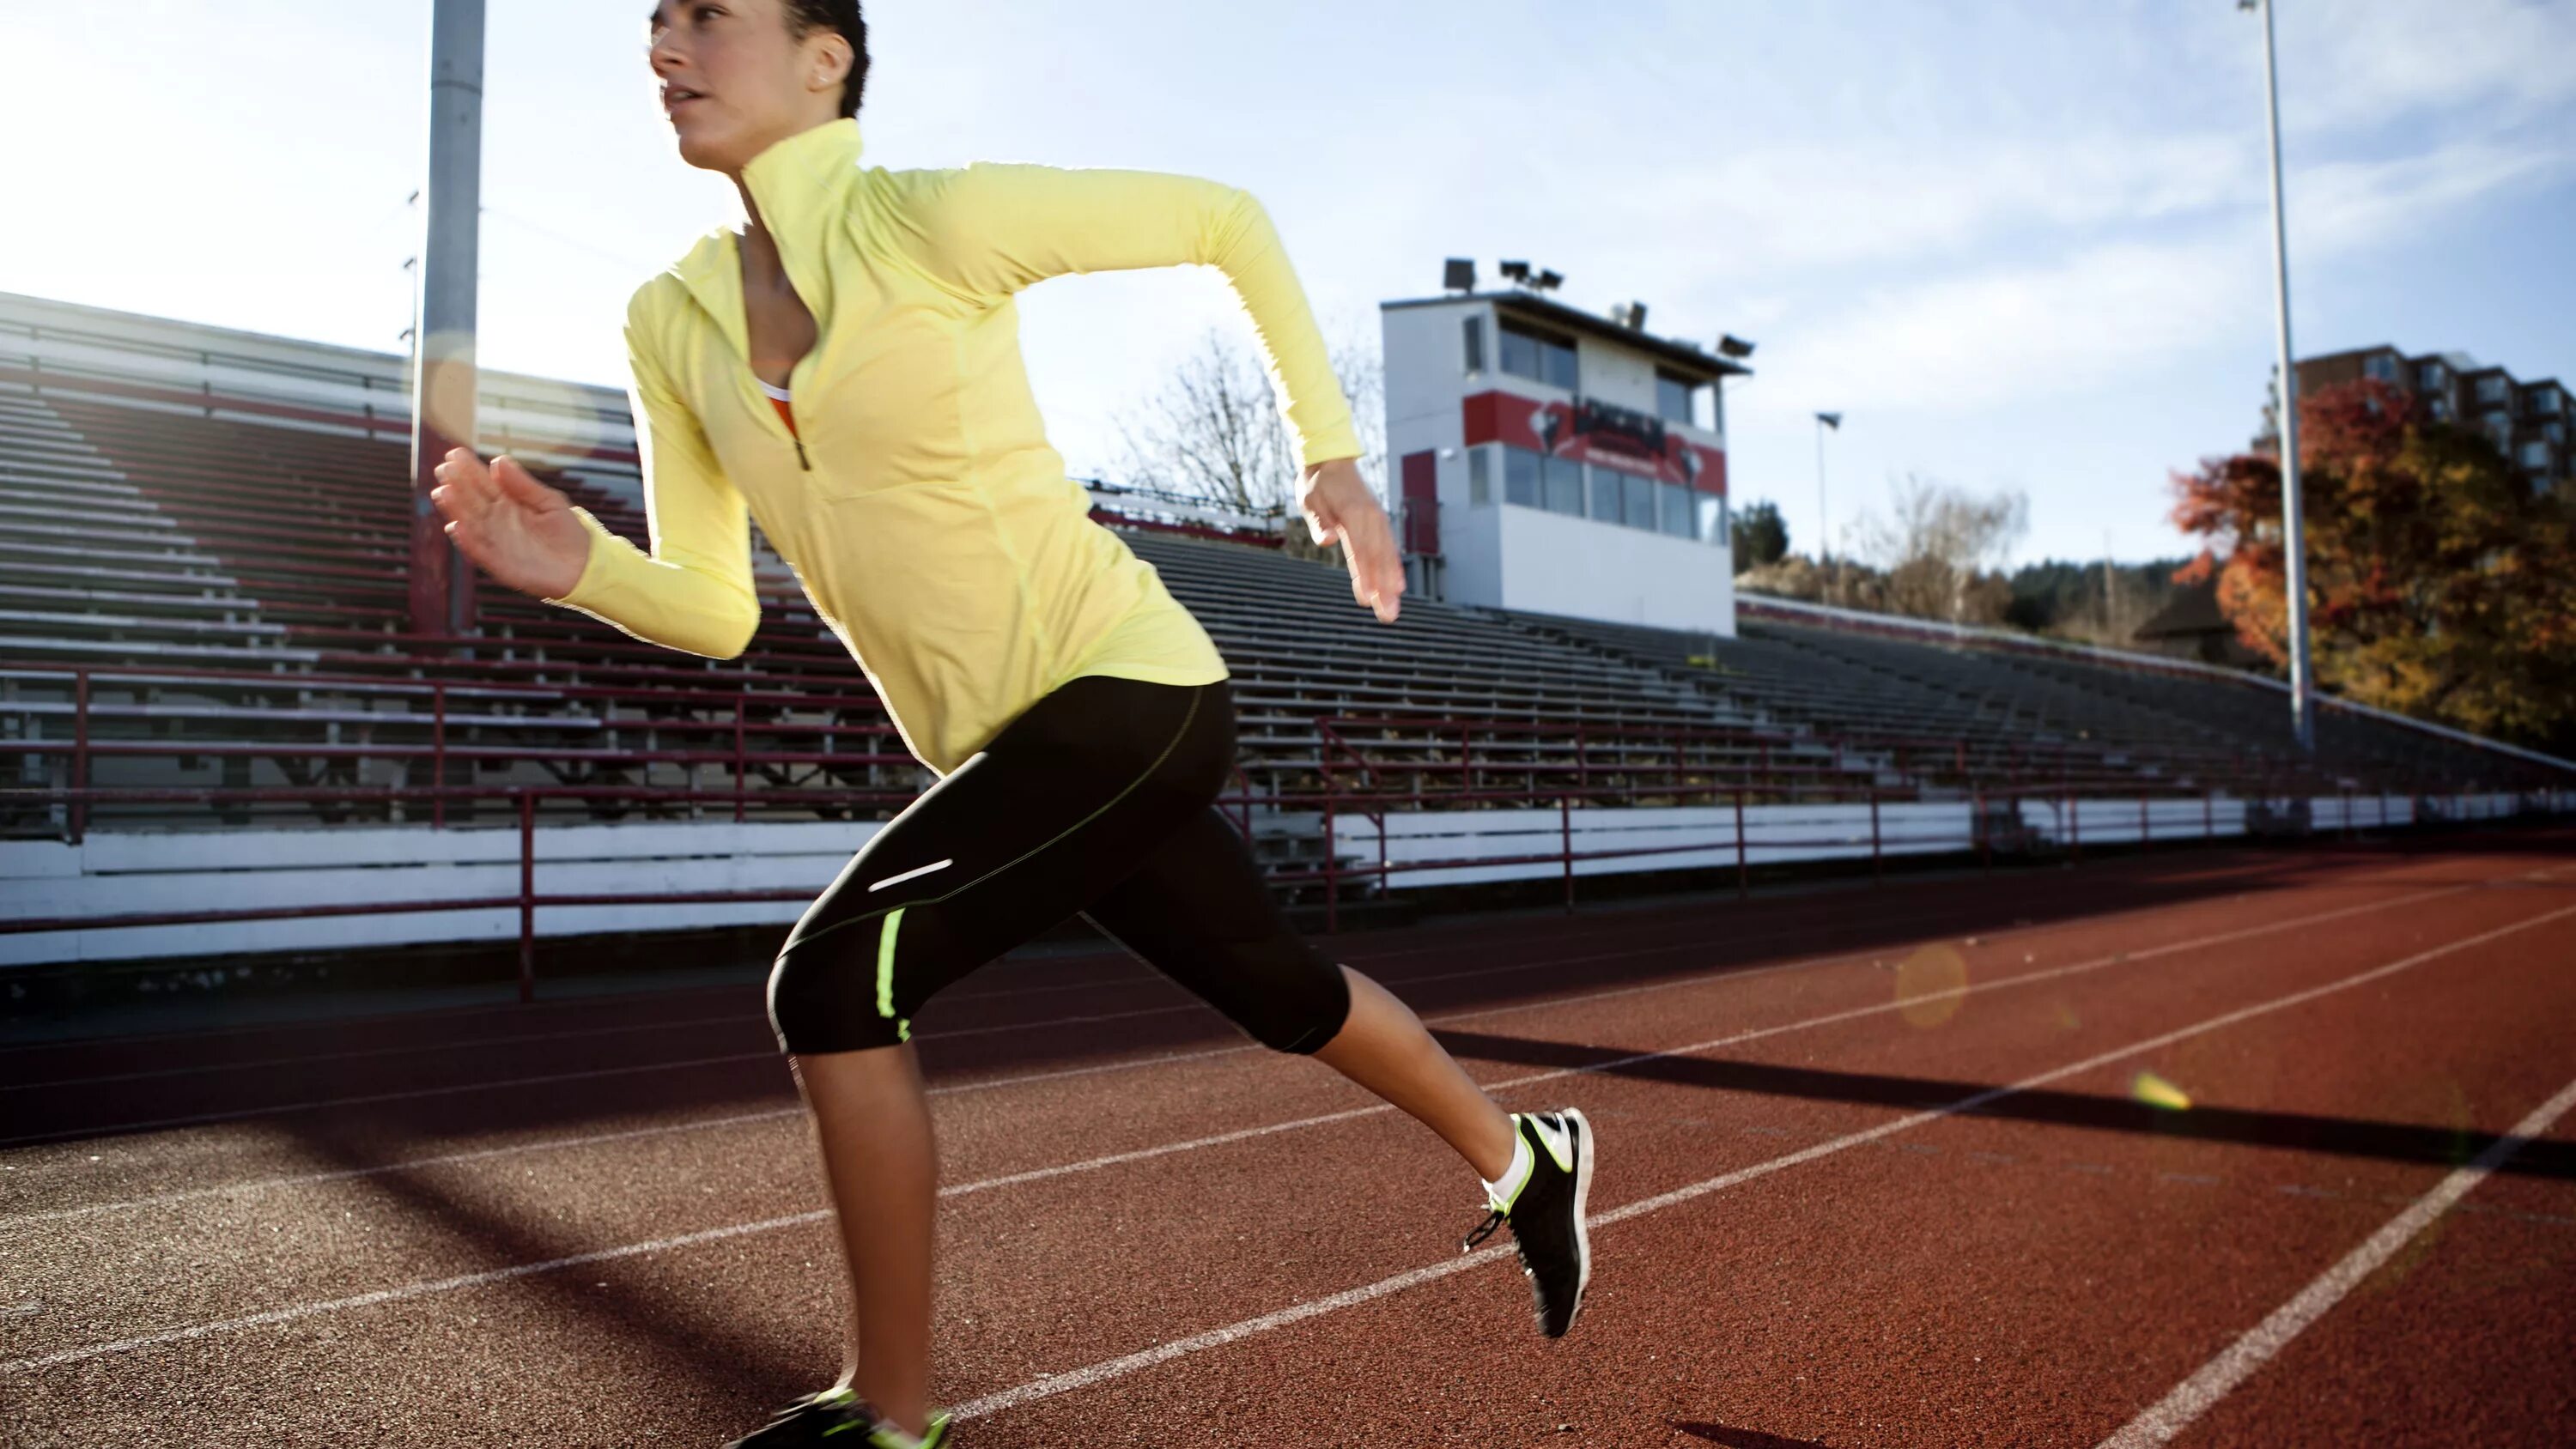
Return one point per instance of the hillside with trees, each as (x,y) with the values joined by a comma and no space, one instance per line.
(2439,584)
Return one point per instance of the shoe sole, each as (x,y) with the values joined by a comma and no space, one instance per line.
(1582,1210)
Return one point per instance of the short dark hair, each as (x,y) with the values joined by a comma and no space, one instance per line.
(842,17)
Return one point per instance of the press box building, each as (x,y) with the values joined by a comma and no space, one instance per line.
(1550,460)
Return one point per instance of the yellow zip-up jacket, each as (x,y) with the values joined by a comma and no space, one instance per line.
(916,498)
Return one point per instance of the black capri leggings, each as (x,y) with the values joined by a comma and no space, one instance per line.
(1101,800)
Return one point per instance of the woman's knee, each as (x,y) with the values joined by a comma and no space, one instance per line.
(1306,1004)
(823,997)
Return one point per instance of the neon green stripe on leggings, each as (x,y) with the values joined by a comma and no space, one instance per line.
(885,962)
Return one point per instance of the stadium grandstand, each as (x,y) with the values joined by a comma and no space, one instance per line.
(203,636)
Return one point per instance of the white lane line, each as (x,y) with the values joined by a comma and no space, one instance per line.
(1717,976)
(1048,1023)
(2200,1393)
(419,1093)
(407,1291)
(1115,1368)
(1044,1388)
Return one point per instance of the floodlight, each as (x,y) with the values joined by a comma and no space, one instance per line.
(1459,275)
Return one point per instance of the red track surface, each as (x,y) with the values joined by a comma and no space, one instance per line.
(1803,1235)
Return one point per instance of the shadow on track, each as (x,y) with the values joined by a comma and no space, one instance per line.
(444,1076)
(2288,1131)
(682,1340)
(1741,1438)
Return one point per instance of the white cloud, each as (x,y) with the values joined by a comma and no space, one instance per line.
(1916,198)
(2349,65)
(1986,339)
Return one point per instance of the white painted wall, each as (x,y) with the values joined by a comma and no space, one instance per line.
(1483,845)
(1553,563)
(119,874)
(1472,540)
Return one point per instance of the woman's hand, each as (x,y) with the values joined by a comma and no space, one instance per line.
(519,530)
(1340,508)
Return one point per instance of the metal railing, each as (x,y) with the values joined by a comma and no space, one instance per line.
(1333,802)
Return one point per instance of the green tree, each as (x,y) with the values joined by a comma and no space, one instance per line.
(2438,584)
(1761,536)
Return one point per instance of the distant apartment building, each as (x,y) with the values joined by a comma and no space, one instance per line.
(2527,421)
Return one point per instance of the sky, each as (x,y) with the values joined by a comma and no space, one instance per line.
(2017,246)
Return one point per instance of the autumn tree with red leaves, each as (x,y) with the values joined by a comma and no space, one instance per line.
(2439,586)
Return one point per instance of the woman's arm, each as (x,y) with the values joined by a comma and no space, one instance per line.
(991,230)
(694,590)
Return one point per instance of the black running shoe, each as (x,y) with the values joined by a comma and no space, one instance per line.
(1547,1215)
(826,1418)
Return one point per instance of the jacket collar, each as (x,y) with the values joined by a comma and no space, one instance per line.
(803,187)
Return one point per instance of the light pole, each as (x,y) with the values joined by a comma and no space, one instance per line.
(1824,519)
(443,373)
(2303,724)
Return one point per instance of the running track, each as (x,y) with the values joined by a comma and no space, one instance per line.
(1872,1174)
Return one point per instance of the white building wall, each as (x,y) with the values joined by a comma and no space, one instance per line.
(1551,563)
(1472,539)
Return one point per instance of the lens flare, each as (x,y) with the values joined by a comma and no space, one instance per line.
(2156,1092)
(1930,984)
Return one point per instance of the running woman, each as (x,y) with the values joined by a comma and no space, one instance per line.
(845,368)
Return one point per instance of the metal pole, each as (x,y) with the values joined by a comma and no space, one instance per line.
(1824,518)
(438,754)
(1874,869)
(79,814)
(443,380)
(1743,872)
(527,897)
(1332,875)
(2293,532)
(1565,844)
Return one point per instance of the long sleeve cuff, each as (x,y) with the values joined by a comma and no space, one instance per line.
(661,601)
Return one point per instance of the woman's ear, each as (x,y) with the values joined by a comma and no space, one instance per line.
(831,62)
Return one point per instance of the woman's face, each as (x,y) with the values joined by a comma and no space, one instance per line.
(734,81)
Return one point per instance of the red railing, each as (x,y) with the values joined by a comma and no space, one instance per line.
(1558,764)
(527,802)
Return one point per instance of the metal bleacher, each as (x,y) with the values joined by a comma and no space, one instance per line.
(209,590)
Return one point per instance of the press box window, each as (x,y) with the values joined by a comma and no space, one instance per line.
(1641,501)
(1712,518)
(1607,496)
(1676,508)
(1521,477)
(1480,476)
(1676,399)
(1538,357)
(1564,486)
(1475,334)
